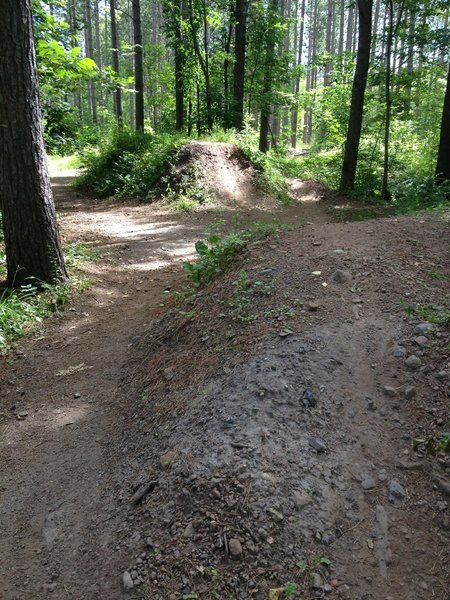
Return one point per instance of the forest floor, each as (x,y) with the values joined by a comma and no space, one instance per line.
(277,428)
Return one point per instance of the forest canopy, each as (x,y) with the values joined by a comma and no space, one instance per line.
(277,73)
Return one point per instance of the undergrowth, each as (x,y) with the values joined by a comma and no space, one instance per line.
(216,254)
(24,309)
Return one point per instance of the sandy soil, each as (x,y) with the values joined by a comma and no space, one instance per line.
(224,447)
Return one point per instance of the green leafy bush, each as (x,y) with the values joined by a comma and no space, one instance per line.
(130,164)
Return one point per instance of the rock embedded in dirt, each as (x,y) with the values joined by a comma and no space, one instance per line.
(318,444)
(275,514)
(367,482)
(167,459)
(409,392)
(413,362)
(312,306)
(399,351)
(301,499)
(127,582)
(341,276)
(308,399)
(189,531)
(420,340)
(235,548)
(396,492)
(423,328)
(390,391)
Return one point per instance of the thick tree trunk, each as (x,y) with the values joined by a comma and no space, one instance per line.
(138,66)
(358,92)
(443,159)
(240,16)
(33,251)
(115,63)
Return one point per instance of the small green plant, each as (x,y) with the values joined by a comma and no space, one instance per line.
(310,567)
(290,590)
(434,313)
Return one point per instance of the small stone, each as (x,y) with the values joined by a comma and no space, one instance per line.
(327,588)
(443,375)
(301,499)
(420,340)
(409,392)
(443,485)
(23,414)
(317,582)
(389,391)
(423,328)
(367,482)
(340,276)
(235,548)
(77,395)
(127,582)
(167,459)
(277,516)
(396,492)
(312,306)
(399,351)
(309,400)
(327,539)
(413,362)
(189,531)
(318,444)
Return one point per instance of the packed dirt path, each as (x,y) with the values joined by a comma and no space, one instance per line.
(79,437)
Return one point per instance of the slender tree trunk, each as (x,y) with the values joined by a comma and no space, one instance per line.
(138,66)
(226,68)
(33,250)
(410,56)
(240,17)
(350,27)
(376,19)
(92,91)
(328,42)
(358,91)
(99,57)
(179,64)
(294,122)
(203,60)
(115,63)
(443,159)
(268,80)
(341,27)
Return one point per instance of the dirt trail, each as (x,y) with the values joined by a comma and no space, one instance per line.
(91,436)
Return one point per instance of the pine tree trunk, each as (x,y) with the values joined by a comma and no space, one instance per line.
(358,91)
(240,34)
(443,159)
(33,251)
(138,66)
(115,63)
(92,91)
(99,58)
(388,99)
(296,90)
(376,19)
(267,82)
(328,42)
(179,79)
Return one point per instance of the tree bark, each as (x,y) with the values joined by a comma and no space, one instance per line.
(267,81)
(138,66)
(443,159)
(115,63)
(33,250)
(92,91)
(358,91)
(240,17)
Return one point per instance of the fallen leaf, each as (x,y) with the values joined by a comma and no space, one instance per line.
(275,593)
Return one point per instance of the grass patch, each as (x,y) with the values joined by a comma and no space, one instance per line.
(433,313)
(21,311)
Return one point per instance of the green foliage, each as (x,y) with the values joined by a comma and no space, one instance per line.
(21,310)
(433,313)
(129,164)
(217,254)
